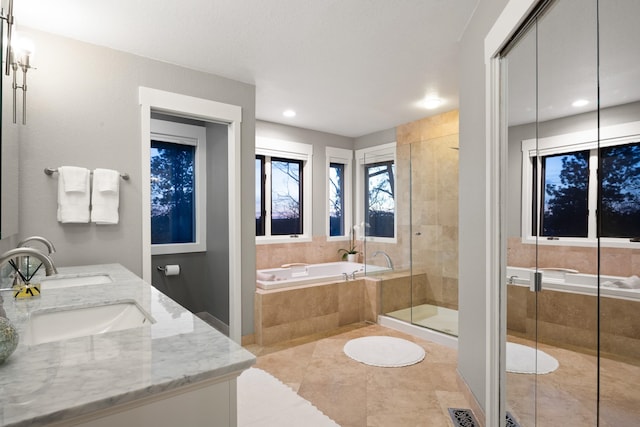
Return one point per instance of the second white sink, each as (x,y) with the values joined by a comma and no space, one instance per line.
(61,281)
(56,325)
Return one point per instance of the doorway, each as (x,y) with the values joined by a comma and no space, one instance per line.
(154,101)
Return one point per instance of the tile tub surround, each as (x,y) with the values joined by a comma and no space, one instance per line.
(570,320)
(61,380)
(288,313)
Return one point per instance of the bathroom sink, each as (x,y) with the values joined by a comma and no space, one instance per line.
(62,281)
(66,323)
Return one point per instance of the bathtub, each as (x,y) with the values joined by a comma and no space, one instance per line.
(579,283)
(304,274)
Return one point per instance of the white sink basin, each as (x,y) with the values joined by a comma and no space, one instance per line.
(56,325)
(61,281)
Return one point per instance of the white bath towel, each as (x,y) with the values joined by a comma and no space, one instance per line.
(73,194)
(632,282)
(105,196)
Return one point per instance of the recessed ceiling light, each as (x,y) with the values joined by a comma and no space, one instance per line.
(431,102)
(579,103)
(289,113)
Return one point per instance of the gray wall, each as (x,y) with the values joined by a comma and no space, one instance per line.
(84,111)
(377,138)
(319,140)
(473,236)
(216,290)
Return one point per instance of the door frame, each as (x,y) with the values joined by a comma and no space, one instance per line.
(203,109)
(512,17)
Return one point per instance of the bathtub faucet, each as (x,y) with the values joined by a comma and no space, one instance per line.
(387,257)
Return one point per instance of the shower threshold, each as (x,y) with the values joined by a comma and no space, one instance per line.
(429,326)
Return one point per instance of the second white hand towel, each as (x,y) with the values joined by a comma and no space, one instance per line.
(105,197)
(73,194)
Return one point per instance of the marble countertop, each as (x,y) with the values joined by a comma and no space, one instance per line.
(60,380)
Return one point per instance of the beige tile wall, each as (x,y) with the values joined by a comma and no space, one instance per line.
(570,321)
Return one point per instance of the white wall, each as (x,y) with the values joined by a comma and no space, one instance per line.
(473,236)
(84,111)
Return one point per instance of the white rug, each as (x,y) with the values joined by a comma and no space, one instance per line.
(264,401)
(386,352)
(521,359)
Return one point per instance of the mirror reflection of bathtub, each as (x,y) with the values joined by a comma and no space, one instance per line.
(568,308)
(565,281)
(303,274)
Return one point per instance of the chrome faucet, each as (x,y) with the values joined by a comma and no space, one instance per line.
(387,257)
(49,267)
(43,240)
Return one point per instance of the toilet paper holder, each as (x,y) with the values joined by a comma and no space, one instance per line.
(169,270)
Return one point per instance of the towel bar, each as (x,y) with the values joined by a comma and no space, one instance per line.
(51,171)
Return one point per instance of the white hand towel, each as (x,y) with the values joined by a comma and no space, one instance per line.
(73,194)
(105,197)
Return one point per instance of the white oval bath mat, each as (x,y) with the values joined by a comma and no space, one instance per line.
(386,352)
(521,359)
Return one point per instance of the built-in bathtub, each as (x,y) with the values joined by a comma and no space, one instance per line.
(575,311)
(567,281)
(303,274)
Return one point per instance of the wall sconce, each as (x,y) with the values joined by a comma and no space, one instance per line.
(18,56)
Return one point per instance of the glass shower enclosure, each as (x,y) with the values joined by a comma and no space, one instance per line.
(422,198)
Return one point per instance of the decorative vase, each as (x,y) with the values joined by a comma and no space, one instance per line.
(351,257)
(8,339)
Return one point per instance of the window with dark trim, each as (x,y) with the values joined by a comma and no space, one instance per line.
(336,199)
(284,196)
(379,199)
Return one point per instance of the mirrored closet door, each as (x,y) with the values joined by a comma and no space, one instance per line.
(571,192)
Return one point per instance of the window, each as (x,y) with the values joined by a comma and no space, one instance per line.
(283,190)
(565,209)
(177,188)
(376,192)
(620,190)
(566,188)
(379,199)
(338,193)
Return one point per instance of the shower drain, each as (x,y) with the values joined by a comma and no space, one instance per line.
(465,418)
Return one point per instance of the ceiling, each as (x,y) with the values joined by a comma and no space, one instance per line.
(346,67)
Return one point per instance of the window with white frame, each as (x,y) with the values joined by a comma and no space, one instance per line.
(339,176)
(563,176)
(283,190)
(178,188)
(376,198)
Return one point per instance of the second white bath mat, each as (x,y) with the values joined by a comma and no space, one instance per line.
(522,359)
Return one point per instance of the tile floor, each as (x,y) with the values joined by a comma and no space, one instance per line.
(568,396)
(358,395)
(353,394)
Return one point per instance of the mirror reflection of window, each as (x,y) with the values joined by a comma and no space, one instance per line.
(565,199)
(620,191)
